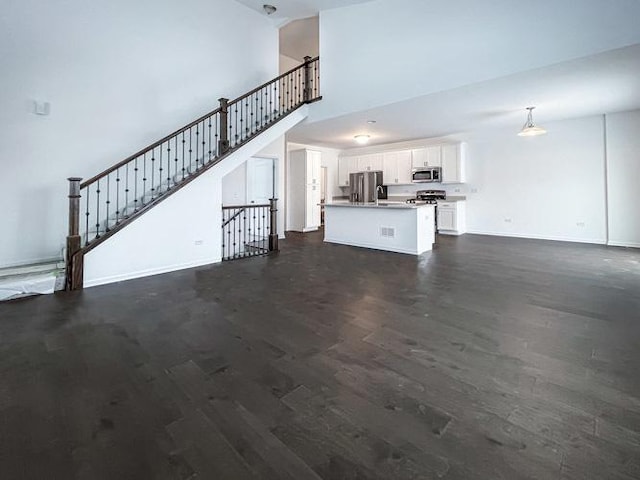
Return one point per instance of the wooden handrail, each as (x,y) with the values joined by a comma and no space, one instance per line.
(190,125)
(145,150)
(279,77)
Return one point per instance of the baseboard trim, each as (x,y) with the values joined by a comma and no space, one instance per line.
(373,246)
(600,241)
(623,244)
(147,273)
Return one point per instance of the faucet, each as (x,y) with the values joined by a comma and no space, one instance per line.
(379,189)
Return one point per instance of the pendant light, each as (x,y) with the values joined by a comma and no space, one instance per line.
(529,129)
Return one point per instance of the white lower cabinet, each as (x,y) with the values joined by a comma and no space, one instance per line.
(452,218)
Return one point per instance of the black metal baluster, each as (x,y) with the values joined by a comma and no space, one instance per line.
(117,196)
(229,239)
(98,209)
(175,161)
(160,170)
(261,109)
(215,133)
(106,228)
(235,133)
(126,190)
(86,227)
(190,152)
(240,134)
(135,185)
(204,145)
(209,150)
(290,90)
(234,234)
(244,228)
(144,178)
(153,160)
(223,245)
(183,147)
(240,241)
(168,165)
(316,79)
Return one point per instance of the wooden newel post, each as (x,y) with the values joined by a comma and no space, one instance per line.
(273,232)
(308,80)
(74,258)
(223,141)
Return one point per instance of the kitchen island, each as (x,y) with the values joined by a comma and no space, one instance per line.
(395,227)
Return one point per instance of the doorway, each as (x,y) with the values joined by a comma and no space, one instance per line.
(261,183)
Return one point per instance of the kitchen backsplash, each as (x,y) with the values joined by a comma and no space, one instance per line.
(410,190)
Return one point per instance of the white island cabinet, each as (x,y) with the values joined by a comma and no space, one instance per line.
(398,228)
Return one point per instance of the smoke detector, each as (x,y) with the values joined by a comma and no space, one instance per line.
(269,9)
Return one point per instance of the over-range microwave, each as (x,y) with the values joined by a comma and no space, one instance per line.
(426,175)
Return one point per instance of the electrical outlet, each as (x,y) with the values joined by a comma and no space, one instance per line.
(474,190)
(457,190)
(199,242)
(507,220)
(580,224)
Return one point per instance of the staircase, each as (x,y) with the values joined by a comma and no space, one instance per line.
(105,204)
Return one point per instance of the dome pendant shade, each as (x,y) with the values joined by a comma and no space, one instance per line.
(529,129)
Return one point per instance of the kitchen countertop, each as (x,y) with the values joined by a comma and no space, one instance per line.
(381,204)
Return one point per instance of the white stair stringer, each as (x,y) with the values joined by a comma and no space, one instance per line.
(183,230)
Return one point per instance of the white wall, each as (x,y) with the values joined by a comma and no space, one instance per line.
(623,165)
(118,75)
(385,51)
(550,186)
(288,63)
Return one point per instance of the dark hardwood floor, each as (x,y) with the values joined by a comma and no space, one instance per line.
(489,358)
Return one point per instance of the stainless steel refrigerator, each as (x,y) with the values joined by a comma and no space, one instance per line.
(363,186)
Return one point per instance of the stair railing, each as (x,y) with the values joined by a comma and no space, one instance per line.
(249,230)
(104,204)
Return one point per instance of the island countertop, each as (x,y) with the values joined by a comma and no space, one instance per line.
(386,205)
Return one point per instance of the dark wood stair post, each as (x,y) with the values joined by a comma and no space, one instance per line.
(308,82)
(223,141)
(75,258)
(273,231)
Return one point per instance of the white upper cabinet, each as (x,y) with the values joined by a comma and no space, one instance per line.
(453,163)
(427,156)
(370,162)
(346,166)
(397,167)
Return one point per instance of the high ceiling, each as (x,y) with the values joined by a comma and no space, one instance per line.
(288,10)
(602,83)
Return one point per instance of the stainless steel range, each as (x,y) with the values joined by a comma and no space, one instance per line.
(428,196)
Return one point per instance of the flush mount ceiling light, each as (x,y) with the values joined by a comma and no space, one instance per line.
(269,9)
(371,122)
(362,139)
(529,129)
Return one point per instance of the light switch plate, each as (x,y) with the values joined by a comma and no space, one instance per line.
(41,108)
